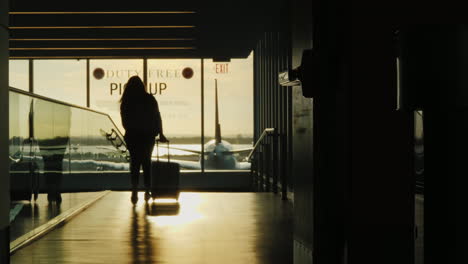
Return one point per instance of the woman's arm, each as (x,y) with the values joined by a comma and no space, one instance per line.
(162,138)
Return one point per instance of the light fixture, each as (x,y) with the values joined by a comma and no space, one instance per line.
(301,76)
(221,59)
(289,78)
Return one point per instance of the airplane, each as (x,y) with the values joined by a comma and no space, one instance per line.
(219,154)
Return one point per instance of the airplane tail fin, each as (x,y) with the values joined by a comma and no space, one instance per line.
(217,125)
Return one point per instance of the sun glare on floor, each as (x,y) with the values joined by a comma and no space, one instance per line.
(164,201)
(167,212)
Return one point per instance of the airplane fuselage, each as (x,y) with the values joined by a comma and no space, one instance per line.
(219,156)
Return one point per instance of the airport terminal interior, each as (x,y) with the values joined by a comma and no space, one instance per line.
(299,132)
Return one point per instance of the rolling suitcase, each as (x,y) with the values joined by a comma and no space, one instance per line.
(164,177)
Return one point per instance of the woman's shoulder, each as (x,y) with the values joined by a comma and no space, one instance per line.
(150,99)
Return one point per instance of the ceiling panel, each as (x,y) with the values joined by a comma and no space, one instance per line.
(178,29)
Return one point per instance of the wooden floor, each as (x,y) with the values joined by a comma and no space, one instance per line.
(35,214)
(206,228)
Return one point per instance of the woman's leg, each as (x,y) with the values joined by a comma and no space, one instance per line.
(136,159)
(135,164)
(135,149)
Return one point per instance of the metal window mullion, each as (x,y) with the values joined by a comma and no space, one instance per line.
(262,88)
(202,91)
(88,84)
(31,75)
(255,87)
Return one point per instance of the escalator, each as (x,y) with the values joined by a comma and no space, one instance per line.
(57,147)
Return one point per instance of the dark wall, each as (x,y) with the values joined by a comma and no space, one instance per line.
(352,165)
(434,66)
(288,111)
(380,218)
(284,162)
(302,126)
(352,146)
(330,120)
(4,143)
(273,107)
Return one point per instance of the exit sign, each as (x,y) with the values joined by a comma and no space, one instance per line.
(222,68)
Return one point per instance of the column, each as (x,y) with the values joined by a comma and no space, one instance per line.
(4,162)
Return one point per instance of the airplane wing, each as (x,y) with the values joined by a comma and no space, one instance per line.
(185,164)
(188,165)
(239,150)
(243,166)
(182,149)
(199,152)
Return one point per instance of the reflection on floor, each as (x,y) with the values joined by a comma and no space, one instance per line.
(27,216)
(419,219)
(204,228)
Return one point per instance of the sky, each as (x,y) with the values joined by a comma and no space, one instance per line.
(178,95)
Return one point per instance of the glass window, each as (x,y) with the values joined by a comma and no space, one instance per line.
(176,86)
(19,74)
(64,80)
(229,114)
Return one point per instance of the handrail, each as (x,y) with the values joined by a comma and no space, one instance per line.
(13,160)
(16,90)
(112,139)
(264,133)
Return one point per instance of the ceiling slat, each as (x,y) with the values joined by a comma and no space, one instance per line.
(107,53)
(105,33)
(102,20)
(106,28)
(103,44)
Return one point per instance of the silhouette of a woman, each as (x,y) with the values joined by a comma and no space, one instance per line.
(142,123)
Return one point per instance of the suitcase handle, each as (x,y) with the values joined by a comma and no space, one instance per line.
(168,151)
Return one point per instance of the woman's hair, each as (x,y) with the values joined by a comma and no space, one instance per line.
(134,89)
